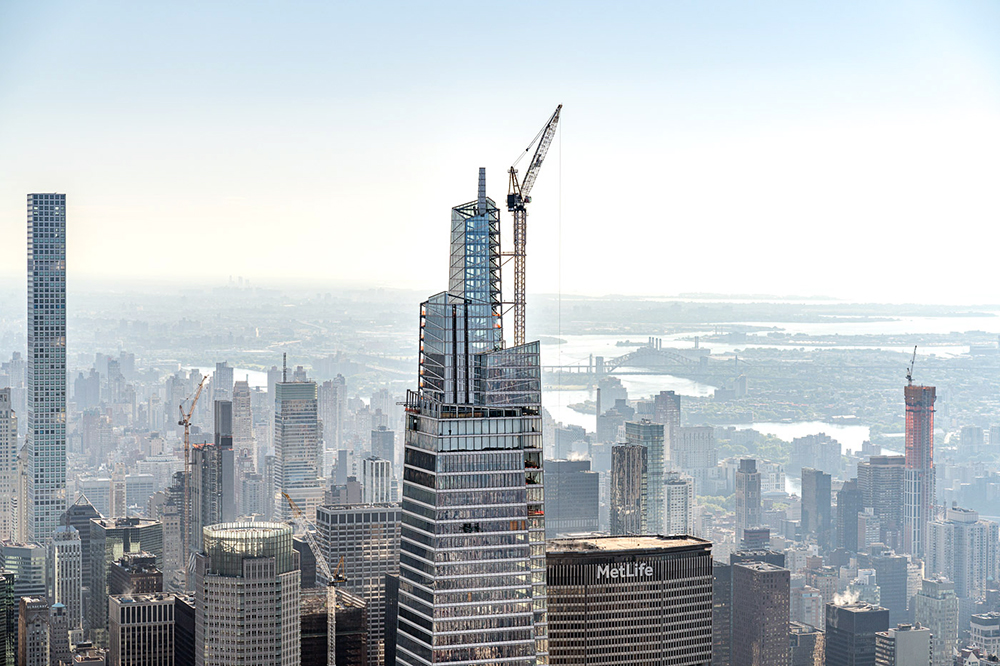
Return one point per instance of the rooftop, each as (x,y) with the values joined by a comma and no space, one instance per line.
(622,543)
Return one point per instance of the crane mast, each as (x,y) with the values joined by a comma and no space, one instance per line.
(332,578)
(186,422)
(519,194)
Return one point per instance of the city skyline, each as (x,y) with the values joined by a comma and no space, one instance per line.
(287,452)
(747,123)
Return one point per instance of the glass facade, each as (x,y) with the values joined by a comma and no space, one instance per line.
(298,448)
(472,552)
(46,369)
(650,435)
(228,544)
(475,267)
(367,537)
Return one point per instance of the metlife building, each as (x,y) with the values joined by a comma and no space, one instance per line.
(630,600)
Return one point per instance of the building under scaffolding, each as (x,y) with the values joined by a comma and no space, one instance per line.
(351,625)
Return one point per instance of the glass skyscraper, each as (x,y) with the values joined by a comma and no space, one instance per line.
(472,561)
(46,379)
(298,449)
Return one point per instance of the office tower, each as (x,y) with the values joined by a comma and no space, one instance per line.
(963,548)
(184,629)
(171,514)
(368,538)
(848,507)
(33,632)
(649,434)
(905,645)
(629,502)
(760,614)
(109,541)
(678,503)
(213,476)
(78,516)
(692,451)
(27,562)
(23,531)
(572,497)
(141,630)
(226,475)
(117,499)
(253,495)
(747,496)
(298,449)
(918,489)
(807,645)
(135,573)
(384,443)
(869,529)
(850,633)
(722,613)
(935,606)
(8,467)
(816,506)
(247,565)
(46,369)
(984,632)
(222,382)
(332,397)
(807,606)
(97,490)
(307,562)
(473,446)
(880,480)
(891,575)
(9,607)
(636,600)
(667,410)
(756,538)
(59,651)
(65,563)
(243,418)
(768,556)
(376,479)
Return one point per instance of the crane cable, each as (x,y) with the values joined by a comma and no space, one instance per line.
(530,145)
(559,269)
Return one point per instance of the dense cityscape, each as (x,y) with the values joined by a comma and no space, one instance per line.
(642,438)
(158,511)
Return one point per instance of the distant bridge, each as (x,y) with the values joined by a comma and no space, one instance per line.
(649,360)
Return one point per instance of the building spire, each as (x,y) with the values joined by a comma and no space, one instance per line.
(481,201)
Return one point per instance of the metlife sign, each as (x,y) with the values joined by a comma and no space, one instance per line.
(624,570)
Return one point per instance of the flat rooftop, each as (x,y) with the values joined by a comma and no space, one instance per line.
(622,543)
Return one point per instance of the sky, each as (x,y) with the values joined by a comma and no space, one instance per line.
(842,149)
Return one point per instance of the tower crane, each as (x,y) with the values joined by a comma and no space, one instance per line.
(519,194)
(332,579)
(909,371)
(186,422)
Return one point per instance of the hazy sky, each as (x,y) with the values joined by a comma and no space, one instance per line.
(789,148)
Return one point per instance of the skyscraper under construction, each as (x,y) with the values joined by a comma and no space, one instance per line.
(472,559)
(918,484)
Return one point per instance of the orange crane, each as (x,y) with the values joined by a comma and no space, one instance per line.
(519,194)
(186,422)
(332,579)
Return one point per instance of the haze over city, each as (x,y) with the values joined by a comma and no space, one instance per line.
(774,149)
(289,375)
